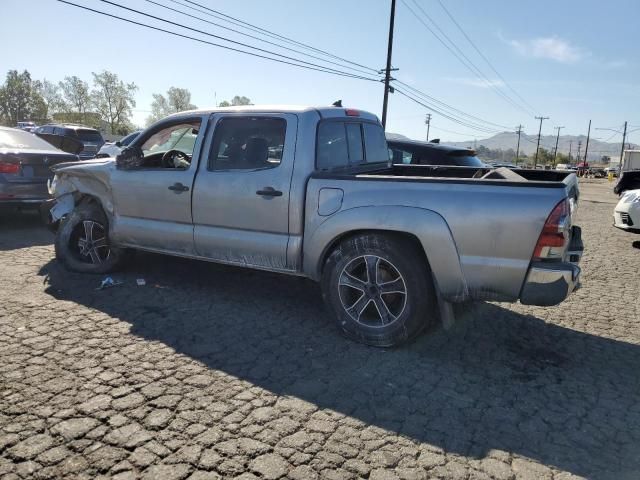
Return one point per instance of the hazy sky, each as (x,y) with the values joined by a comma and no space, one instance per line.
(569,60)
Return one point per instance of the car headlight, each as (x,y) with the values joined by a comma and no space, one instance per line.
(51,184)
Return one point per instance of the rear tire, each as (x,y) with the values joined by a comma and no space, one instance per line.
(380,289)
(82,241)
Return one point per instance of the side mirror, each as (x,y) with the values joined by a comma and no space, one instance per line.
(129,159)
(118,143)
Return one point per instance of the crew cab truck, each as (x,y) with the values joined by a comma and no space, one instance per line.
(312,192)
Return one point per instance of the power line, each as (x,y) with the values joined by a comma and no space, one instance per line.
(447,106)
(453,119)
(461,56)
(484,57)
(263,31)
(219,37)
(308,66)
(256,37)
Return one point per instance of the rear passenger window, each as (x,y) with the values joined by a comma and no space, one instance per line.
(247,143)
(332,146)
(375,143)
(354,139)
(340,144)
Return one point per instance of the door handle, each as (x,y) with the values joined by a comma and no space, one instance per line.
(269,192)
(179,188)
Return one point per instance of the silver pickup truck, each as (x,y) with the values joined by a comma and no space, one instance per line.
(312,192)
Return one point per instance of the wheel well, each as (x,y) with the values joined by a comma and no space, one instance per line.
(409,237)
(86,199)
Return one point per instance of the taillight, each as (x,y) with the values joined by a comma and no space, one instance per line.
(9,167)
(555,233)
(350,112)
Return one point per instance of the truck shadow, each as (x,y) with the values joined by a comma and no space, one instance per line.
(22,229)
(499,380)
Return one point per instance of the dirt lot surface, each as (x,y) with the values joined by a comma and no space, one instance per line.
(217,372)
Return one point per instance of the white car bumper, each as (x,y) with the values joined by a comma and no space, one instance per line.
(626,215)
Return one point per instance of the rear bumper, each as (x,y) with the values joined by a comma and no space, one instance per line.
(549,284)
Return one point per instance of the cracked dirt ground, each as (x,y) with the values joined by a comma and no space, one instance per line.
(218,372)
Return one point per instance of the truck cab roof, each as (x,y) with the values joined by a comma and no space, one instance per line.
(322,111)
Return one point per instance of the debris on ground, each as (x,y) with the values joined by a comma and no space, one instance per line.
(141,282)
(108,282)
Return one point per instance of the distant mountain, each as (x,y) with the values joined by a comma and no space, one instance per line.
(507,140)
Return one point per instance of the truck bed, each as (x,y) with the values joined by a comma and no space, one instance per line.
(541,178)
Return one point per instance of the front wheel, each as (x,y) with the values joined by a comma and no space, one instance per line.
(82,241)
(380,289)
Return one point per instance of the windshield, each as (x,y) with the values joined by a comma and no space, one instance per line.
(129,138)
(22,140)
(177,137)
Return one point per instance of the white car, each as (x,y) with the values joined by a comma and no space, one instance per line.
(626,215)
(112,149)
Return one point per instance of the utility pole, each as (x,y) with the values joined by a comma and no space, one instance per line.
(624,138)
(535,162)
(518,131)
(578,154)
(570,146)
(555,154)
(387,73)
(427,120)
(586,147)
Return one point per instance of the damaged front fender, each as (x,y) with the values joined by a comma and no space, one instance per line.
(74,182)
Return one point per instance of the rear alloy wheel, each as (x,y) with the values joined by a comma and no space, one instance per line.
(372,291)
(380,289)
(82,241)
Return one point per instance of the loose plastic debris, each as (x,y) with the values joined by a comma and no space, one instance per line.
(108,282)
(141,282)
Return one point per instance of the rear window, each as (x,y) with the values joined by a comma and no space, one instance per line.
(344,144)
(92,136)
(21,140)
(375,143)
(464,159)
(432,155)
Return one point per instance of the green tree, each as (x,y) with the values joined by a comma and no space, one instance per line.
(113,100)
(235,101)
(19,100)
(545,157)
(76,95)
(176,100)
(51,97)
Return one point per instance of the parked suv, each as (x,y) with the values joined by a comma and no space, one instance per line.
(28,126)
(415,152)
(90,137)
